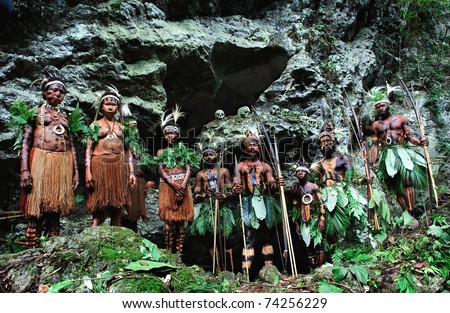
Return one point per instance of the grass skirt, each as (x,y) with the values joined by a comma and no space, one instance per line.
(401,164)
(169,209)
(110,184)
(52,191)
(137,202)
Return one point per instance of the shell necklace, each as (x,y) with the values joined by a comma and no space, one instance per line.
(110,135)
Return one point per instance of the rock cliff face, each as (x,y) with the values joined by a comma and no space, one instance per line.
(203,55)
(289,59)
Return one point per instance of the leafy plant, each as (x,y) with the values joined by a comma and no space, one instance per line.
(77,123)
(326,287)
(406,283)
(151,256)
(92,132)
(22,115)
(180,154)
(58,286)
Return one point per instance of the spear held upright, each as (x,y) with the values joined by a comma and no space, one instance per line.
(425,148)
(237,176)
(288,247)
(365,154)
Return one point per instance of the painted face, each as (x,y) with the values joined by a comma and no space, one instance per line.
(209,157)
(301,174)
(382,109)
(55,94)
(252,146)
(110,105)
(326,141)
(170,136)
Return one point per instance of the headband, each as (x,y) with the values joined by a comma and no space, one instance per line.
(302,168)
(172,128)
(109,96)
(54,82)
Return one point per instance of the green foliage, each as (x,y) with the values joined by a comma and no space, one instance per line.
(92,132)
(151,256)
(150,250)
(78,198)
(57,287)
(22,115)
(339,273)
(180,154)
(145,265)
(203,222)
(77,123)
(193,279)
(99,283)
(132,139)
(356,257)
(326,287)
(406,283)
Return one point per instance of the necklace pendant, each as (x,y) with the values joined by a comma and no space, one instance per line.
(110,137)
(59,129)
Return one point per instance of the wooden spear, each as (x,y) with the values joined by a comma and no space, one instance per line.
(237,176)
(365,153)
(425,148)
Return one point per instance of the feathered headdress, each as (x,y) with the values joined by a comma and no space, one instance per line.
(380,94)
(301,166)
(327,130)
(169,121)
(209,144)
(111,92)
(249,137)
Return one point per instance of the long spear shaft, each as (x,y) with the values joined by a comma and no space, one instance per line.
(425,148)
(286,217)
(365,153)
(288,248)
(237,175)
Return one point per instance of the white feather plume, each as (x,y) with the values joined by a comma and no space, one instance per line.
(176,112)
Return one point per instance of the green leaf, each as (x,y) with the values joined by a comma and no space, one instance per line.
(57,287)
(144,265)
(390,163)
(259,205)
(380,237)
(330,197)
(150,250)
(436,231)
(339,273)
(305,230)
(362,257)
(376,196)
(326,287)
(406,159)
(408,220)
(360,272)
(357,195)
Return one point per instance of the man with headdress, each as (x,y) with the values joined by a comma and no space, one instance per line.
(107,163)
(48,165)
(310,224)
(401,167)
(335,186)
(212,189)
(260,211)
(175,196)
(137,195)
